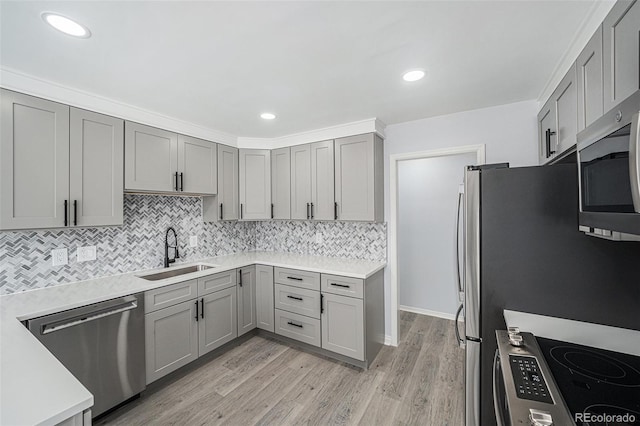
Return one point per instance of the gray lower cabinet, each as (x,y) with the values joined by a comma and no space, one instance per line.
(217,324)
(151,159)
(246,299)
(343,325)
(255,184)
(590,81)
(359,178)
(197,166)
(281,183)
(298,327)
(621,52)
(171,339)
(227,200)
(297,300)
(264,297)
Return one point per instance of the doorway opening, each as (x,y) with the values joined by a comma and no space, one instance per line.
(424,188)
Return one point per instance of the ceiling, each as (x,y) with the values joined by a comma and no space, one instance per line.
(313,64)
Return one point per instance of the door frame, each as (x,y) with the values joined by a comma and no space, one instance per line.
(394,159)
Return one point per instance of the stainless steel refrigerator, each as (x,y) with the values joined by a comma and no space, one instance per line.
(520,249)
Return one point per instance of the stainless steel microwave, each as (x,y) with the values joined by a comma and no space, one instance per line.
(609,173)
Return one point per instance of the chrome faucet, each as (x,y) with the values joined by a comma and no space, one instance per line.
(168,261)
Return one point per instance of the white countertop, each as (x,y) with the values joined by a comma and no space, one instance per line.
(36,389)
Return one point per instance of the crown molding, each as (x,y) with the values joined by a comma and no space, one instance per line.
(369,125)
(590,24)
(31,85)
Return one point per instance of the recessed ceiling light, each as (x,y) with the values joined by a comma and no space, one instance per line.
(267,116)
(66,25)
(413,75)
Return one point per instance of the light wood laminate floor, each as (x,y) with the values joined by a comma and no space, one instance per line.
(264,382)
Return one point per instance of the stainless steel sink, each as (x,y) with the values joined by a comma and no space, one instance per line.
(176,272)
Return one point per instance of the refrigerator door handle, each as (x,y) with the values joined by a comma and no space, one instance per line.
(461,341)
(458,275)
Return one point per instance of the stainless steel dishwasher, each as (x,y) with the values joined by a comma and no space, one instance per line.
(102,345)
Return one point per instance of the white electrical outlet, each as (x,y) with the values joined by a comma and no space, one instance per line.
(59,257)
(193,241)
(86,253)
(319,238)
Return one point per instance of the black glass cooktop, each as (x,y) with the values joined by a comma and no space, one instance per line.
(600,387)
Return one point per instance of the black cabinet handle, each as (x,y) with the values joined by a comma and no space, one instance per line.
(196,311)
(294,324)
(311,210)
(176,179)
(241,214)
(220,211)
(294,278)
(308,215)
(335,211)
(75,212)
(340,285)
(271,211)
(294,297)
(181,181)
(66,207)
(201,308)
(240,279)
(548,135)
(321,303)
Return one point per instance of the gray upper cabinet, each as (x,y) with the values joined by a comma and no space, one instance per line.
(197,166)
(322,181)
(96,168)
(151,159)
(227,182)
(264,297)
(255,184)
(621,52)
(300,181)
(246,299)
(590,82)
(34,158)
(566,100)
(547,132)
(217,323)
(359,178)
(281,183)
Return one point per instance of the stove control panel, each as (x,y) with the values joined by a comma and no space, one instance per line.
(528,379)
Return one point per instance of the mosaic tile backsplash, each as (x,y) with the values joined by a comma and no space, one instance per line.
(25,256)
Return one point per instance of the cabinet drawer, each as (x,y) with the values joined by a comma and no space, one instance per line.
(170,295)
(352,287)
(298,327)
(298,300)
(216,282)
(297,278)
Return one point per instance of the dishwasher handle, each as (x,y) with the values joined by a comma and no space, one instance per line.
(91,316)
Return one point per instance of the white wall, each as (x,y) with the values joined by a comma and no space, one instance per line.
(508,131)
(427,209)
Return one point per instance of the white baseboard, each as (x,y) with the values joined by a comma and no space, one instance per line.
(387,340)
(428,312)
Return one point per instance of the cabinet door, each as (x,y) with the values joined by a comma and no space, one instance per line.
(150,159)
(566,99)
(621,52)
(255,184)
(217,324)
(264,297)
(246,299)
(342,322)
(300,181)
(228,182)
(34,159)
(197,165)
(322,181)
(96,168)
(590,83)
(171,339)
(355,178)
(547,132)
(281,183)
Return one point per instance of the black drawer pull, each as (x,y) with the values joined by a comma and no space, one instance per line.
(294,278)
(340,285)
(294,324)
(202,308)
(294,297)
(66,208)
(196,311)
